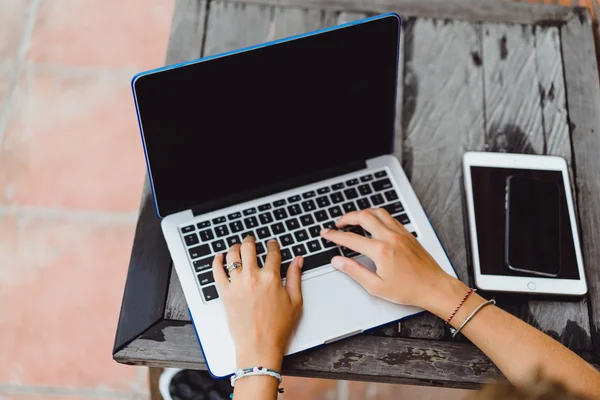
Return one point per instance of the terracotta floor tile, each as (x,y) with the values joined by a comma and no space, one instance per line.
(102,33)
(383,391)
(64,282)
(53,397)
(72,141)
(13,16)
(306,388)
(5,74)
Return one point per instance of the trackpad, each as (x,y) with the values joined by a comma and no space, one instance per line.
(334,305)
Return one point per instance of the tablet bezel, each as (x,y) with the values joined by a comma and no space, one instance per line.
(532,285)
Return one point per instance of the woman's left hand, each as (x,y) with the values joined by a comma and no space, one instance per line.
(261,312)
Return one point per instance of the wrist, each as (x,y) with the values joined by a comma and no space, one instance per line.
(446,295)
(268,358)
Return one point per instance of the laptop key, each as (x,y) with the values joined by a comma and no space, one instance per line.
(250,211)
(221,230)
(348,207)
(323,201)
(236,226)
(251,222)
(278,228)
(323,190)
(294,199)
(301,235)
(337,186)
(294,209)
(234,215)
(306,220)
(218,220)
(248,233)
(349,252)
(263,232)
(391,195)
(329,225)
(351,193)
(299,250)
(207,235)
(394,208)
(280,213)
(365,189)
(414,234)
(308,195)
(352,182)
(286,240)
(279,203)
(313,246)
(402,218)
(357,230)
(309,206)
(286,254)
(314,231)
(366,178)
(319,259)
(218,246)
(233,240)
(335,211)
(284,268)
(206,278)
(380,174)
(382,185)
(377,199)
(199,251)
(292,224)
(260,248)
(188,229)
(204,224)
(321,215)
(203,265)
(363,203)
(326,244)
(264,207)
(265,218)
(191,240)
(210,293)
(336,197)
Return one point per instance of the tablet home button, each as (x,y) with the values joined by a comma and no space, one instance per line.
(531,285)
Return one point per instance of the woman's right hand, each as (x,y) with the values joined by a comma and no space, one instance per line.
(406,273)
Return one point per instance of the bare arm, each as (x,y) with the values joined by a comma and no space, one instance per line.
(407,274)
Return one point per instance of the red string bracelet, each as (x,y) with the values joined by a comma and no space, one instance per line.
(460,305)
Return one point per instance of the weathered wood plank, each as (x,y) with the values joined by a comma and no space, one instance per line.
(583,99)
(525,113)
(443,118)
(478,10)
(176,307)
(187,31)
(143,299)
(294,21)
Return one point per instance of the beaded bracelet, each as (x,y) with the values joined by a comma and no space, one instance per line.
(460,305)
(244,372)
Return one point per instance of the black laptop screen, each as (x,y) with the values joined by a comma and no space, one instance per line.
(227,126)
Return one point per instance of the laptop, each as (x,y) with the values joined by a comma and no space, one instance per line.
(278,141)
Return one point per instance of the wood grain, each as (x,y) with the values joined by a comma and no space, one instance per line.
(187,31)
(443,118)
(583,99)
(478,10)
(526,113)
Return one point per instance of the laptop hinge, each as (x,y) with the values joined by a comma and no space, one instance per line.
(278,187)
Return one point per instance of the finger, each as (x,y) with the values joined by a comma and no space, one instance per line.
(350,240)
(365,278)
(233,255)
(273,259)
(364,218)
(248,253)
(219,273)
(384,217)
(293,279)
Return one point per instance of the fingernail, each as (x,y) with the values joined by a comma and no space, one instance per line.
(324,231)
(300,261)
(337,263)
(272,241)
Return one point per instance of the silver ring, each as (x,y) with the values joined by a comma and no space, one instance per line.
(231,266)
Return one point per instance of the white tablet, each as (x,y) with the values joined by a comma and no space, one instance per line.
(522,225)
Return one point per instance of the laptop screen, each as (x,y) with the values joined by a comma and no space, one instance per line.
(223,127)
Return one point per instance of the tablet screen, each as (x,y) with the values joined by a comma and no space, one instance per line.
(522,223)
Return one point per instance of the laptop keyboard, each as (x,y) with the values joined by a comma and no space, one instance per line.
(295,222)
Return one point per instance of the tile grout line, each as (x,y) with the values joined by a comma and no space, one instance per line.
(77,393)
(117,217)
(24,45)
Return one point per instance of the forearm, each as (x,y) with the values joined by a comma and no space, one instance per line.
(518,349)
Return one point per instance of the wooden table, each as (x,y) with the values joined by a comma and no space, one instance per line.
(474,75)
